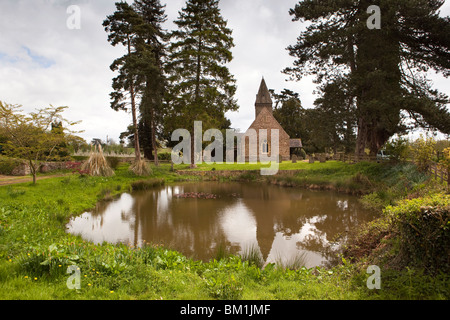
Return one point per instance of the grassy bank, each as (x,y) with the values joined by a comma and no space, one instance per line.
(35,250)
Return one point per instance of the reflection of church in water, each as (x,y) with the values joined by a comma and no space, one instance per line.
(240,218)
(278,222)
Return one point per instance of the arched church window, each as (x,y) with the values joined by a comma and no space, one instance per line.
(264,147)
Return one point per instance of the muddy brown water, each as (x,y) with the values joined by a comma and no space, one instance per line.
(201,219)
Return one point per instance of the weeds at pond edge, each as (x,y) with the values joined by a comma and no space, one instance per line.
(114,271)
(147,184)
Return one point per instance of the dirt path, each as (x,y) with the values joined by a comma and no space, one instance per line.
(8,180)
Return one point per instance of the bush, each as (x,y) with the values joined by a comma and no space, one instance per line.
(146,184)
(397,149)
(424,229)
(113,162)
(7,165)
(164,156)
(423,149)
(80,158)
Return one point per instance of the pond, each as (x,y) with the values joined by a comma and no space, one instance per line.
(201,219)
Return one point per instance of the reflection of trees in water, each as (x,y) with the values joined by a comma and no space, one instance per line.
(291,211)
(195,226)
(190,225)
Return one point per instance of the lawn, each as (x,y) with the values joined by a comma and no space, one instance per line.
(35,250)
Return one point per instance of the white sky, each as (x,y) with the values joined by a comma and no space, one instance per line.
(44,62)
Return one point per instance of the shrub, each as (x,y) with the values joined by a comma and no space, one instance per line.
(146,184)
(224,287)
(397,149)
(423,149)
(80,158)
(445,162)
(165,156)
(113,162)
(7,165)
(424,229)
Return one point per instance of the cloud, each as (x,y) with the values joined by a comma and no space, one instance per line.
(44,62)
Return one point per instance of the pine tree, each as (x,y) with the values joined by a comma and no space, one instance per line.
(151,106)
(202,87)
(336,115)
(383,67)
(121,27)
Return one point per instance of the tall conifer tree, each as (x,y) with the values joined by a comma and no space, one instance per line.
(383,67)
(202,87)
(151,106)
(122,27)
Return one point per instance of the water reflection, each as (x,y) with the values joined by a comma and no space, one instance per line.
(280,222)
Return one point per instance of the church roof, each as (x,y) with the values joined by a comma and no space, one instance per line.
(263,95)
(266,120)
(295,143)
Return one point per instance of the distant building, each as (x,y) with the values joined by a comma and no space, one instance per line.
(264,119)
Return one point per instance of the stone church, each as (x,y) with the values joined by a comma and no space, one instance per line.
(264,119)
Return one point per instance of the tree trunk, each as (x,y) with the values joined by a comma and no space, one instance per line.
(193,164)
(197,100)
(137,150)
(155,147)
(361,139)
(33,171)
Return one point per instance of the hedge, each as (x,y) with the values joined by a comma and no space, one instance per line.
(424,227)
(7,165)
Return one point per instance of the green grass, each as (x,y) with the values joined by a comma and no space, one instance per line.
(35,250)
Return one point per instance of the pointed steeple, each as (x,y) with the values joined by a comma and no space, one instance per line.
(263,99)
(263,96)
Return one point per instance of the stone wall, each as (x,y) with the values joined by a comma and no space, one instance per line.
(24,168)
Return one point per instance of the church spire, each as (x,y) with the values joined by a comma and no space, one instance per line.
(263,99)
(263,96)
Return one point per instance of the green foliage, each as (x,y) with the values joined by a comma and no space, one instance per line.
(423,149)
(7,165)
(35,252)
(15,192)
(34,137)
(165,156)
(424,225)
(338,46)
(146,184)
(202,87)
(289,112)
(224,288)
(137,28)
(253,256)
(397,149)
(113,162)
(445,162)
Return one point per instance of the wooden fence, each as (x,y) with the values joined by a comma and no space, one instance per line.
(439,172)
(353,159)
(435,169)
